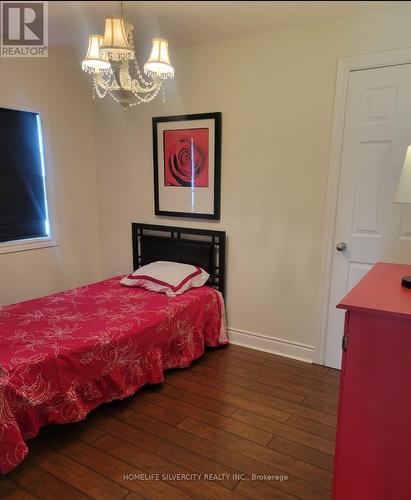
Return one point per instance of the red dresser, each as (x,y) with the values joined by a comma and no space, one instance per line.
(373,451)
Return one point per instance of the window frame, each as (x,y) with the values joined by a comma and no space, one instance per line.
(44,241)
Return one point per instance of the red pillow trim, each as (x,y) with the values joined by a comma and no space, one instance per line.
(163,283)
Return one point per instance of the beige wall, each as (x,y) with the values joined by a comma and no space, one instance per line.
(57,88)
(275,92)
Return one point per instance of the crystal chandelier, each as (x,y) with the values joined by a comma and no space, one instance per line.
(109,60)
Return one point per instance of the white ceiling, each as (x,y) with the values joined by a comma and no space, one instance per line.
(191,23)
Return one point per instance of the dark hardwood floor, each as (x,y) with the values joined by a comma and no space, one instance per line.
(235,411)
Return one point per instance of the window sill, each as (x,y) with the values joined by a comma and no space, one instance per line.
(24,245)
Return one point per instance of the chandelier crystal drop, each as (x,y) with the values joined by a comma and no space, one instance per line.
(110,59)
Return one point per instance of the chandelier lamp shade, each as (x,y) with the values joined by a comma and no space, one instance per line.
(403,195)
(159,60)
(112,64)
(95,62)
(115,42)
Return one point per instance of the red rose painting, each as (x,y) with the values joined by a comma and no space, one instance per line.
(186,157)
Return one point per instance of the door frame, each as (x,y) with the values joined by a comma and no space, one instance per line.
(345,65)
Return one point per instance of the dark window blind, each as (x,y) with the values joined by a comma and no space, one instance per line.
(23,211)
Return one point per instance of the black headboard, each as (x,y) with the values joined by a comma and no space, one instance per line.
(199,247)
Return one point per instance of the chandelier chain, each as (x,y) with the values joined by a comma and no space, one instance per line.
(139,73)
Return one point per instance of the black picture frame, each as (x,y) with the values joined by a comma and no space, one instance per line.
(216,117)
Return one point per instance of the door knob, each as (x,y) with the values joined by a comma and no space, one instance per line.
(341,246)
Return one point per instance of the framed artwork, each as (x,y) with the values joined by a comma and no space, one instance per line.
(187,165)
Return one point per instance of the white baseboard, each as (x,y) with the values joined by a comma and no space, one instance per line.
(272,345)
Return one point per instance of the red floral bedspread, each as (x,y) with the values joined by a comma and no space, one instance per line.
(64,354)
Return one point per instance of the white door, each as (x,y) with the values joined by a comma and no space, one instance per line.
(369,226)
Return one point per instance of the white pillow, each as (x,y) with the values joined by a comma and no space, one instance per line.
(171,278)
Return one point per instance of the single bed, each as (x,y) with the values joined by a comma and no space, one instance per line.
(64,354)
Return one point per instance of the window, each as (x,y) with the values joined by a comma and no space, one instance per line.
(23,203)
